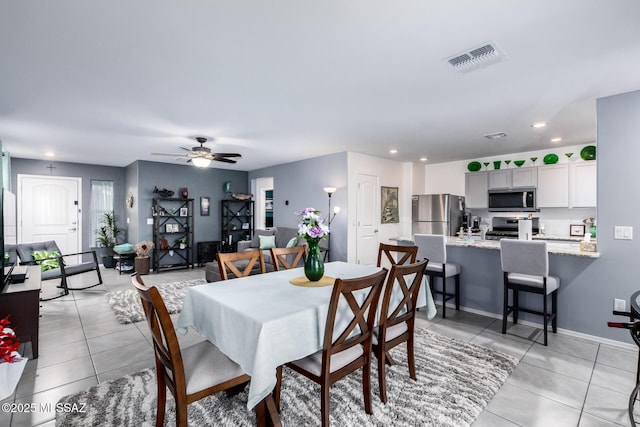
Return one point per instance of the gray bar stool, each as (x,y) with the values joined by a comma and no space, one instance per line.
(434,248)
(525,265)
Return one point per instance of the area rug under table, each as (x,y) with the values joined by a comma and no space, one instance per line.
(128,309)
(456,380)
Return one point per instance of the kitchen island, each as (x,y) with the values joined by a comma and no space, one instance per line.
(481,280)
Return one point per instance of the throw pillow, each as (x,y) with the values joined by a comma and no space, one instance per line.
(267,242)
(255,242)
(46,264)
(293,242)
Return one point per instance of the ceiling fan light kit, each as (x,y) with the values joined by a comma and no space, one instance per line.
(201,162)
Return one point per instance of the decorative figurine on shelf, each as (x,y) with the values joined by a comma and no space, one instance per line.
(164,244)
(164,192)
(185,192)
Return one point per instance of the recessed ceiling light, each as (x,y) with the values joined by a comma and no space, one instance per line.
(496,135)
(556,139)
(49,154)
(423,159)
(393,151)
(539,125)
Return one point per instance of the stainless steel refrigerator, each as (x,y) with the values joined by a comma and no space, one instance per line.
(436,214)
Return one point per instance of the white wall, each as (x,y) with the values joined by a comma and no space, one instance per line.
(390,174)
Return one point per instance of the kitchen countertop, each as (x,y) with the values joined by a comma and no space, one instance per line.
(558,248)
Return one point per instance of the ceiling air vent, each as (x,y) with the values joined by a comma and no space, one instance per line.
(477,57)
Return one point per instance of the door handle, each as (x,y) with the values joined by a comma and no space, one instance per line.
(72,229)
(375,231)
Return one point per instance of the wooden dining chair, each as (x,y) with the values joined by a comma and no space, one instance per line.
(287,258)
(351,350)
(397,318)
(396,254)
(190,373)
(246,261)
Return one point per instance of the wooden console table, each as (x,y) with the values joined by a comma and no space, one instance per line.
(22,302)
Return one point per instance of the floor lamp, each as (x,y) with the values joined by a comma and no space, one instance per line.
(330,217)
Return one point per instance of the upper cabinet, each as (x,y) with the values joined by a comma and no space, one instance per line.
(513,178)
(553,186)
(583,183)
(500,179)
(525,177)
(476,190)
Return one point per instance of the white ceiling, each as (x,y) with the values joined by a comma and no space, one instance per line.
(111,82)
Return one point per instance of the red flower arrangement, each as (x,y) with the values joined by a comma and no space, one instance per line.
(8,342)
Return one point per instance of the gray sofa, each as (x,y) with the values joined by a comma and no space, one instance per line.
(283,236)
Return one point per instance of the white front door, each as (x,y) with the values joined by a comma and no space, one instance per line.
(49,209)
(367,215)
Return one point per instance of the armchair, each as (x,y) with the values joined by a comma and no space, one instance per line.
(25,252)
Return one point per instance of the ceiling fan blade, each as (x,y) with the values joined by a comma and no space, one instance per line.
(227,154)
(222,159)
(169,154)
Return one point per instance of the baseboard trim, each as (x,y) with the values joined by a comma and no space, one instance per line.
(561,331)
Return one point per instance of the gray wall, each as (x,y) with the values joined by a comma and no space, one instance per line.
(139,178)
(200,182)
(301,184)
(87,173)
(614,274)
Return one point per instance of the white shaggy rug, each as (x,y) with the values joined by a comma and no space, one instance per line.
(128,309)
(455,382)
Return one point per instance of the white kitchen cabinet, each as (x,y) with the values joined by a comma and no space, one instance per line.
(583,184)
(553,186)
(524,177)
(499,179)
(476,190)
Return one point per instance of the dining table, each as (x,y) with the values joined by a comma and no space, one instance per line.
(264,321)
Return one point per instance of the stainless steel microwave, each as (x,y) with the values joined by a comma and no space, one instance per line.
(513,200)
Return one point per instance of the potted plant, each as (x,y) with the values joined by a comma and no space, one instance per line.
(108,233)
(182,243)
(142,262)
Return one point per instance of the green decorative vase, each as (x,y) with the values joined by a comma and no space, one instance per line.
(313,265)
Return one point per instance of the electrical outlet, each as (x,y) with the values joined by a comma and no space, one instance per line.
(622,232)
(619,304)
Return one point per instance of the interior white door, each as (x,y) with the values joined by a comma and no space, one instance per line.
(49,209)
(367,215)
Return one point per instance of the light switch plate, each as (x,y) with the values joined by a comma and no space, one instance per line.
(619,304)
(622,232)
(149,221)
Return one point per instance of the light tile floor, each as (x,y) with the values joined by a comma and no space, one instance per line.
(572,382)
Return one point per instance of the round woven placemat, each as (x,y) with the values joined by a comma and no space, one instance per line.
(303,281)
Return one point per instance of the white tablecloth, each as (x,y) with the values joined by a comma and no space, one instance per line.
(263,321)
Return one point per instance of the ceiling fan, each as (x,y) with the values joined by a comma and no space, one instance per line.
(202,156)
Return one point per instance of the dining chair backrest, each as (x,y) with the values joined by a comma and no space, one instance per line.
(524,257)
(240,264)
(165,342)
(287,258)
(363,308)
(400,298)
(431,246)
(396,254)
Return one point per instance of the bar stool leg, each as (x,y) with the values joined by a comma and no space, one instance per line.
(457,292)
(444,296)
(546,318)
(505,309)
(516,306)
(554,309)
